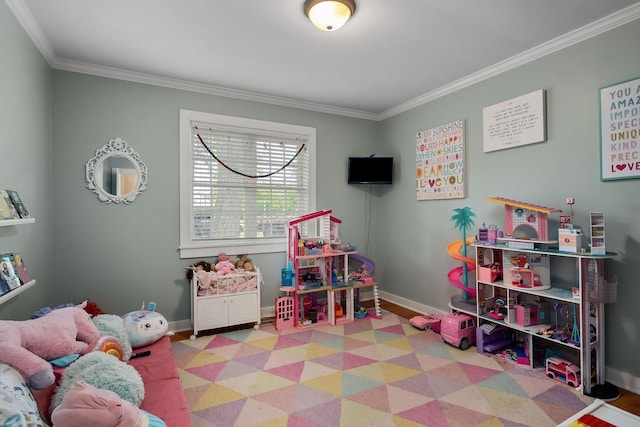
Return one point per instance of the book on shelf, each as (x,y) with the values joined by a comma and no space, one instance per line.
(8,271)
(21,268)
(17,202)
(7,210)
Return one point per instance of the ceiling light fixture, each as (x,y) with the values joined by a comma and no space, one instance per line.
(329,15)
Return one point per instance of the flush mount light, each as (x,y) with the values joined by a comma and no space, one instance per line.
(329,15)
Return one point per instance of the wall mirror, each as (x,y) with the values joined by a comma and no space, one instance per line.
(116,173)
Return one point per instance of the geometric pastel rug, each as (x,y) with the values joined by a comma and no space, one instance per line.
(372,372)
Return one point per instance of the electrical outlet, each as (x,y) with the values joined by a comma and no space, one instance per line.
(570,200)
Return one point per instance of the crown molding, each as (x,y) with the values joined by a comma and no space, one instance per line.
(154,80)
(600,26)
(605,24)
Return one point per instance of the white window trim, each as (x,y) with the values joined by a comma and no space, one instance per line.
(191,249)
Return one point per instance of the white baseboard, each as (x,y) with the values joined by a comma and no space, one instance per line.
(623,380)
(410,304)
(180,325)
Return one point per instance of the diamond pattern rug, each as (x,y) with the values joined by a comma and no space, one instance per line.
(372,372)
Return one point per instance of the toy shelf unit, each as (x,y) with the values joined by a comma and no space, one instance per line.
(20,284)
(320,290)
(536,311)
(597,233)
(231,299)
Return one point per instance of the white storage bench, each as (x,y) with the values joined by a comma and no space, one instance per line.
(231,299)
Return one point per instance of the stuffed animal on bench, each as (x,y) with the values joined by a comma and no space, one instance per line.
(28,345)
(85,405)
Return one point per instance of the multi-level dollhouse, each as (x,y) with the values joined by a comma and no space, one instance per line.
(318,286)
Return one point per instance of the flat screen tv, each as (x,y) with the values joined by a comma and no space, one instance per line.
(370,170)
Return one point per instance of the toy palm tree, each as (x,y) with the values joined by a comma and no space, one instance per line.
(463,219)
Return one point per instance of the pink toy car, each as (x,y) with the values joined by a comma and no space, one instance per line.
(459,330)
(426,322)
(563,371)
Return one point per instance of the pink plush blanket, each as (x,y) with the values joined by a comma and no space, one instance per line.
(230,284)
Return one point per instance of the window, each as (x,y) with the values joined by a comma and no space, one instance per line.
(241,180)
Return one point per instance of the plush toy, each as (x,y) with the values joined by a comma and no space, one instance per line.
(28,345)
(145,327)
(85,405)
(104,372)
(111,325)
(224,264)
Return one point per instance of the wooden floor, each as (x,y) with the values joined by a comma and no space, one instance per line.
(627,401)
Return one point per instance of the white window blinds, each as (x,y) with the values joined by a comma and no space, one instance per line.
(246,182)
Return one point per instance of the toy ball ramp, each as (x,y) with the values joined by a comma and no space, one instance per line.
(456,274)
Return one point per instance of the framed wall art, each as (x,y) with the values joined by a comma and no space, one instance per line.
(515,122)
(440,162)
(620,131)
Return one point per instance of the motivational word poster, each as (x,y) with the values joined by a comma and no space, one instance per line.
(440,162)
(620,130)
(518,121)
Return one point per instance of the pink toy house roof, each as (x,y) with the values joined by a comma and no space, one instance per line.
(523,205)
(310,216)
(314,215)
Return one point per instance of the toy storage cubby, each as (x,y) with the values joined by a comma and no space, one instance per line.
(320,291)
(572,308)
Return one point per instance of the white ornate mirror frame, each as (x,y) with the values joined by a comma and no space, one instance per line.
(116,173)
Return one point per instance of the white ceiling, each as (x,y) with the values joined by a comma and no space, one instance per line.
(391,56)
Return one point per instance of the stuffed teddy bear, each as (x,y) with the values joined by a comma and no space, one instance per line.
(85,405)
(28,345)
(224,264)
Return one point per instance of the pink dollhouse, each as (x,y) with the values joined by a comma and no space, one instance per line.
(525,220)
(317,282)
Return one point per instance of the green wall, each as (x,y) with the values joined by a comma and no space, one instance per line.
(416,234)
(25,158)
(128,253)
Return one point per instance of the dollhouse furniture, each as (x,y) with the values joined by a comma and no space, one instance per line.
(230,299)
(321,291)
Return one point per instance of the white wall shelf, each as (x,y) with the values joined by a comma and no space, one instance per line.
(17,291)
(17,221)
(20,289)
